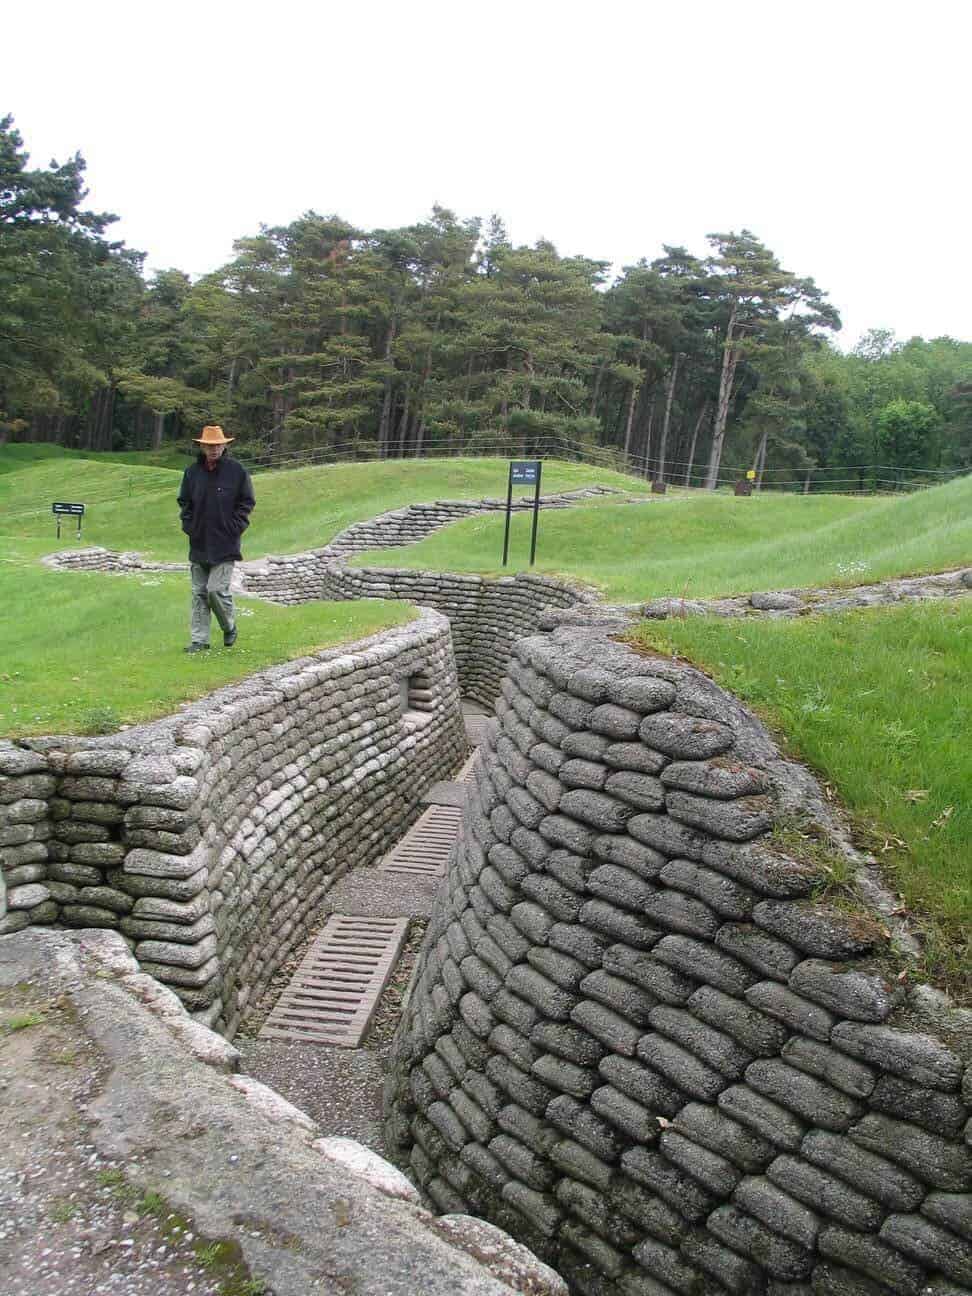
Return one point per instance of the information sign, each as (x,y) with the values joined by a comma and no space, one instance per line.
(60,509)
(523,472)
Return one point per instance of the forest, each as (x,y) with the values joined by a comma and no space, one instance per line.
(321,341)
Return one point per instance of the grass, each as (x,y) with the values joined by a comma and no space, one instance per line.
(130,508)
(21,1021)
(22,454)
(878,702)
(87,652)
(63,1211)
(697,545)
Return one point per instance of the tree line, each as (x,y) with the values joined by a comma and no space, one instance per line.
(446,337)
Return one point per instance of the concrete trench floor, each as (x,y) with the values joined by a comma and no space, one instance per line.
(338,1087)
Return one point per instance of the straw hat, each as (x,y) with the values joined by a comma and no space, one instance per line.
(213,436)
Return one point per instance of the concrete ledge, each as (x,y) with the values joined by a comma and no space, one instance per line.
(238,1160)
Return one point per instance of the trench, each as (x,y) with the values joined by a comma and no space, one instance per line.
(340,1085)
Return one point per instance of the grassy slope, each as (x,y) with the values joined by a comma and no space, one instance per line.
(695,545)
(879,703)
(135,508)
(23,455)
(86,650)
(73,644)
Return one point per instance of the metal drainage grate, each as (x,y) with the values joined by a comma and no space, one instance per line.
(475,727)
(424,850)
(335,991)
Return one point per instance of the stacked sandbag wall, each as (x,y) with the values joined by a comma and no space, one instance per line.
(486,616)
(643,1041)
(413,522)
(210,838)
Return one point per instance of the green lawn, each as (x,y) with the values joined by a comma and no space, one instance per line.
(697,544)
(83,651)
(878,702)
(134,508)
(22,455)
(79,649)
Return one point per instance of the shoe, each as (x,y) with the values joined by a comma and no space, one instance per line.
(229,638)
(194,647)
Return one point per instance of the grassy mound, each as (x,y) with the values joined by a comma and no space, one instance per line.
(86,652)
(135,508)
(878,703)
(698,544)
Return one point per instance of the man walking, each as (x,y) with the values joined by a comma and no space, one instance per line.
(215,501)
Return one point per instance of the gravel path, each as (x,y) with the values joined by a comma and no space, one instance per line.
(340,1088)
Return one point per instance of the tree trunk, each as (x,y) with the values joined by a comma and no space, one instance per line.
(384,426)
(158,430)
(597,386)
(109,418)
(669,394)
(806,482)
(403,423)
(618,422)
(695,436)
(646,473)
(760,461)
(635,387)
(730,358)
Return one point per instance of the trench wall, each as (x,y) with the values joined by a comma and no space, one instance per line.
(208,839)
(486,616)
(640,1040)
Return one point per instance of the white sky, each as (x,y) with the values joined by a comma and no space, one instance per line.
(837,132)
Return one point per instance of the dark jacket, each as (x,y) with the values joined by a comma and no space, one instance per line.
(215,508)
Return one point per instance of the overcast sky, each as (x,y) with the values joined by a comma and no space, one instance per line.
(837,132)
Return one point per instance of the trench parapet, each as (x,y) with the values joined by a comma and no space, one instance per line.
(643,1037)
(208,839)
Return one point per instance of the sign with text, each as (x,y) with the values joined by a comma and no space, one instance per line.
(523,472)
(61,509)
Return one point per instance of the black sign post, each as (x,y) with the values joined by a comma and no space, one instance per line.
(69,510)
(523,472)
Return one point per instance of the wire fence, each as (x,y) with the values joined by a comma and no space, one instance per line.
(849,479)
(856,479)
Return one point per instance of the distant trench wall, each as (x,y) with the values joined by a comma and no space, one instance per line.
(486,616)
(208,839)
(638,1040)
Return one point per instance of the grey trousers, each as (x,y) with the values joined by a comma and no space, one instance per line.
(210,595)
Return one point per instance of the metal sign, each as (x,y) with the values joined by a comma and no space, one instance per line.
(523,472)
(70,510)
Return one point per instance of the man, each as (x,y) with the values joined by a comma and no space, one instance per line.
(215,501)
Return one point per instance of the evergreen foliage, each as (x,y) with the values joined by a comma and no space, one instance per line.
(444,337)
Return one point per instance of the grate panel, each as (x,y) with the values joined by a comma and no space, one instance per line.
(333,994)
(425,848)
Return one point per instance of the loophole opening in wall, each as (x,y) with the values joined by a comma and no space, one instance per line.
(417,695)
